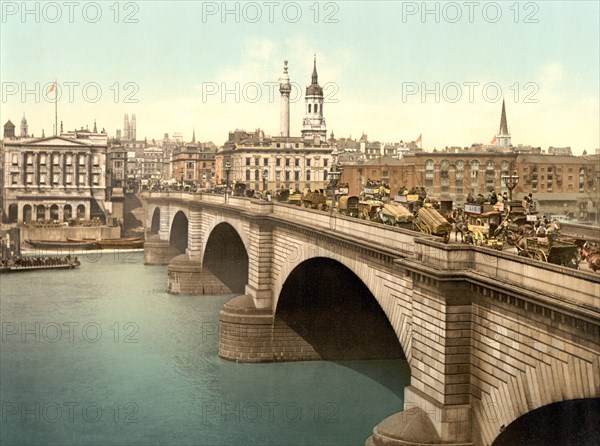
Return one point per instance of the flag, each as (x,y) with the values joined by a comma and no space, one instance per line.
(493,140)
(419,138)
(51,89)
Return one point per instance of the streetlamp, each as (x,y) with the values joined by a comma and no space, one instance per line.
(334,176)
(510,180)
(265,176)
(227,170)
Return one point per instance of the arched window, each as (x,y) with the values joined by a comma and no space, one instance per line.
(309,108)
(460,170)
(316,108)
(67,212)
(444,166)
(429,173)
(81,211)
(40,212)
(27,212)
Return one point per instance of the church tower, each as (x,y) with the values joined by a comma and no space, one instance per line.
(132,130)
(313,125)
(24,127)
(126,128)
(503,137)
(285,88)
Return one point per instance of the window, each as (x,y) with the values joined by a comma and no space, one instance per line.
(307,162)
(308,175)
(29,159)
(15,159)
(247,174)
(287,176)
(325,160)
(14,178)
(309,108)
(325,175)
(82,159)
(297,175)
(69,159)
(43,159)
(69,178)
(256,175)
(96,179)
(247,161)
(297,145)
(256,161)
(287,162)
(278,162)
(81,179)
(316,108)
(265,161)
(96,160)
(297,162)
(29,178)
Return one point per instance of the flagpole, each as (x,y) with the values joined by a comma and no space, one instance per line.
(55,108)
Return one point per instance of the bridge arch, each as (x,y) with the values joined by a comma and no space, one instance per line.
(548,383)
(332,309)
(226,256)
(178,236)
(573,422)
(155,222)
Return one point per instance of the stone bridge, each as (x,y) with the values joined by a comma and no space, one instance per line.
(489,336)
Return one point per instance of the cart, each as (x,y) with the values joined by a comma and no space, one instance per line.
(367,209)
(395,214)
(483,225)
(349,205)
(430,221)
(551,250)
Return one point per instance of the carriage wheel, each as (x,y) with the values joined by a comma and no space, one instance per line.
(540,255)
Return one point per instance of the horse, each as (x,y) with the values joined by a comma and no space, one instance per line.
(591,254)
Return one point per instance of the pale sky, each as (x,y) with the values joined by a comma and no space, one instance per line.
(389,69)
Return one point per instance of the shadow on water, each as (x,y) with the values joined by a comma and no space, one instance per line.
(394,375)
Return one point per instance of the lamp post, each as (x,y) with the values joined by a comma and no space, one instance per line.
(510,181)
(334,175)
(227,170)
(265,176)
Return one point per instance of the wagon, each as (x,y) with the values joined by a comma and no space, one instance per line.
(367,209)
(396,215)
(484,226)
(349,205)
(432,222)
(314,200)
(551,250)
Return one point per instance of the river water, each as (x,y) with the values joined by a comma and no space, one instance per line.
(102,355)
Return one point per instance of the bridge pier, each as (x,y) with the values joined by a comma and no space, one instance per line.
(251,334)
(158,251)
(187,276)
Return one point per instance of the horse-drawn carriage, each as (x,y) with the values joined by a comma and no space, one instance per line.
(395,214)
(367,209)
(314,200)
(484,225)
(348,205)
(430,221)
(551,250)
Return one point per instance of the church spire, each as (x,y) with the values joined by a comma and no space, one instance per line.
(315,77)
(503,123)
(503,137)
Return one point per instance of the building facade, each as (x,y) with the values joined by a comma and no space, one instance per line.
(263,162)
(55,178)
(193,163)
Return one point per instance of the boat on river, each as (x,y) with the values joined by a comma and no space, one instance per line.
(113,243)
(21,264)
(62,244)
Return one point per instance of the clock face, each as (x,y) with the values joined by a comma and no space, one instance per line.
(288,145)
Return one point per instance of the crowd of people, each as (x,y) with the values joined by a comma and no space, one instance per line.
(28,262)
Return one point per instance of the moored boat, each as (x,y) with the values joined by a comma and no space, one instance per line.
(62,244)
(20,264)
(120,243)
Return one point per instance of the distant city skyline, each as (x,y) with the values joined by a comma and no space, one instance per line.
(387,69)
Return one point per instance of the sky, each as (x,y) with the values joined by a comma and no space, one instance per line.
(391,70)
